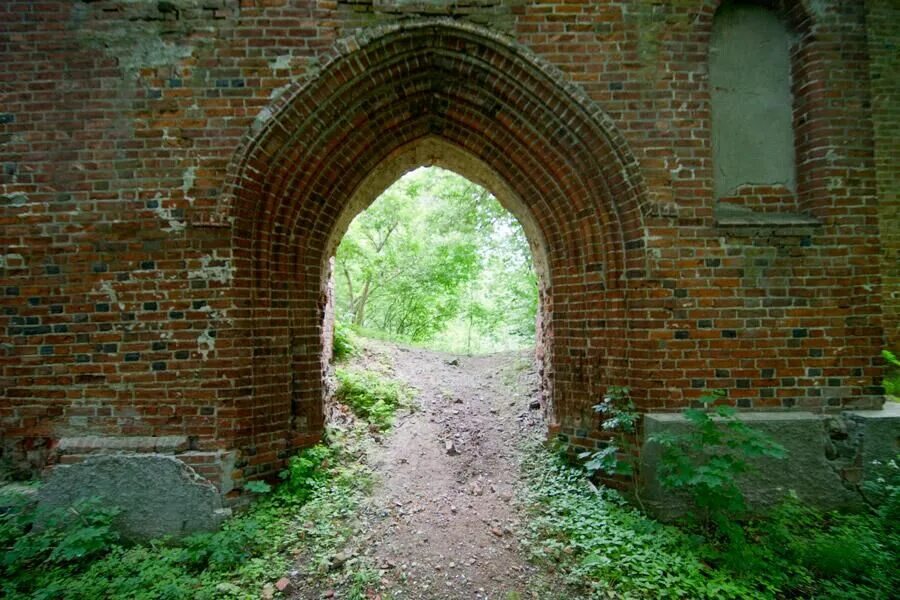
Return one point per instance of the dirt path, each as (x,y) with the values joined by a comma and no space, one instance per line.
(441,520)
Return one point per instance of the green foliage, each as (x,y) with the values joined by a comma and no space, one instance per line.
(800,551)
(619,417)
(363,581)
(75,554)
(606,549)
(706,461)
(883,494)
(36,540)
(892,378)
(222,550)
(304,474)
(344,347)
(257,487)
(371,396)
(436,259)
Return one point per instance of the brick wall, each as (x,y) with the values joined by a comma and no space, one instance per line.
(173,174)
(883,24)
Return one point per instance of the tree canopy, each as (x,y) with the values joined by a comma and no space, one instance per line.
(437,260)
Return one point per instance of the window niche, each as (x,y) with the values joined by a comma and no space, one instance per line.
(752,104)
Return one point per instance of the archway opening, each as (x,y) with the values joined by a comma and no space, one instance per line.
(430,93)
(436,261)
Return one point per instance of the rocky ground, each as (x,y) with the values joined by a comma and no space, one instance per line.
(441,523)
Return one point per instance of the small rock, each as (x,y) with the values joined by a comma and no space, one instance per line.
(534,404)
(497,531)
(450,448)
(454,362)
(340,558)
(268,592)
(283,585)
(458,401)
(329,594)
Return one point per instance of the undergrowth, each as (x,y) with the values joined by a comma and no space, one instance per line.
(76,554)
(344,346)
(371,396)
(892,374)
(605,548)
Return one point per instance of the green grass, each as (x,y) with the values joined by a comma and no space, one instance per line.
(605,548)
(371,396)
(344,345)
(455,338)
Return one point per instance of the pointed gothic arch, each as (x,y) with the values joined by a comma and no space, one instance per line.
(432,92)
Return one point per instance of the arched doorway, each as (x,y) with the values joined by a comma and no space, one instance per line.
(433,151)
(427,93)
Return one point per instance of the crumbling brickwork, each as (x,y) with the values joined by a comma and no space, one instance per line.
(175,173)
(883,28)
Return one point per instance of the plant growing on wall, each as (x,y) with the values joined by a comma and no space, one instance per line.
(892,378)
(707,461)
(618,457)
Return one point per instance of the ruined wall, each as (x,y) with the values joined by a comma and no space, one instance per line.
(123,315)
(751,101)
(883,24)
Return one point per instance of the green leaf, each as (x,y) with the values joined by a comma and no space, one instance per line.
(258,487)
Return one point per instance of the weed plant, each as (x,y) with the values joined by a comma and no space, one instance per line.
(344,346)
(892,378)
(76,554)
(605,548)
(371,396)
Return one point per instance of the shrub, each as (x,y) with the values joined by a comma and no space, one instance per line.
(812,553)
(883,493)
(706,461)
(607,549)
(620,419)
(75,554)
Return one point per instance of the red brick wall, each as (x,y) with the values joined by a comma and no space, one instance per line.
(172,173)
(883,28)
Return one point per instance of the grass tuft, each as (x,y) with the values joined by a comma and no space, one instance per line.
(371,396)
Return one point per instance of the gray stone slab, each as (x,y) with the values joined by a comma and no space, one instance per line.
(158,495)
(826,461)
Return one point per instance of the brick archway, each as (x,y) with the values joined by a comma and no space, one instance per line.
(431,92)
(435,151)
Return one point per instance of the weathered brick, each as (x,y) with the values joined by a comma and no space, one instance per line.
(169,199)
